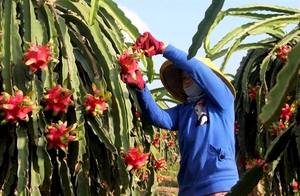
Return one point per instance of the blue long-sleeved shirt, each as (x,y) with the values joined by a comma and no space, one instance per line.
(207,151)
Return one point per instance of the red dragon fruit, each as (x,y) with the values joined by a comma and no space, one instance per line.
(37,57)
(160,164)
(16,107)
(58,135)
(96,104)
(156,140)
(253,90)
(172,143)
(159,178)
(286,112)
(283,51)
(129,62)
(58,99)
(135,158)
(295,185)
(236,127)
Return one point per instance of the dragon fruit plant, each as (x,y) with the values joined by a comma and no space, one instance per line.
(55,53)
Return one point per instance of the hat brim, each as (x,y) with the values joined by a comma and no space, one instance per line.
(171,79)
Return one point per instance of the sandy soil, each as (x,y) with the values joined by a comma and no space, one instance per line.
(168,187)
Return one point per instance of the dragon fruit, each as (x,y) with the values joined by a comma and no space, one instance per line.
(283,51)
(160,164)
(37,57)
(58,135)
(96,104)
(135,158)
(129,62)
(16,107)
(58,99)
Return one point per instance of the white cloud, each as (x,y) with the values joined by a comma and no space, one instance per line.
(135,20)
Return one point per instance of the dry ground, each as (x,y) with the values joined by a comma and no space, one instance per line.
(168,187)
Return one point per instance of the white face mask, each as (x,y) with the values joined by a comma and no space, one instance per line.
(193,91)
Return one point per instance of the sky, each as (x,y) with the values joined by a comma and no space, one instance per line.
(176,22)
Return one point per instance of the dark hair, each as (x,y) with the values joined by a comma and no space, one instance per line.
(179,76)
(180,71)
